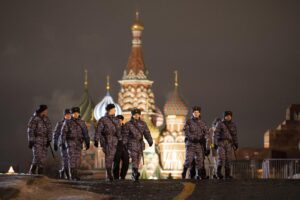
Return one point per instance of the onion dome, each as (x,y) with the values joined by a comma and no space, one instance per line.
(100,110)
(175,104)
(86,105)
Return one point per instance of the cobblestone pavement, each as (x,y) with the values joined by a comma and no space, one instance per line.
(148,189)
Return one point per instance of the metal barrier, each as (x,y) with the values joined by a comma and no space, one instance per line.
(246,169)
(281,168)
(240,169)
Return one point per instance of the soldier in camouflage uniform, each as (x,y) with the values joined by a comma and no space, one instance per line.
(108,133)
(196,132)
(211,143)
(74,133)
(225,139)
(63,149)
(134,131)
(39,137)
(121,155)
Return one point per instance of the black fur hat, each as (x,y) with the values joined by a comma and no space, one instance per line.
(109,107)
(75,109)
(136,111)
(227,113)
(67,111)
(121,117)
(41,108)
(196,108)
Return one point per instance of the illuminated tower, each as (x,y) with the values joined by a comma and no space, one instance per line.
(136,92)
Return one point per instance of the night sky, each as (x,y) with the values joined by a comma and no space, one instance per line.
(234,55)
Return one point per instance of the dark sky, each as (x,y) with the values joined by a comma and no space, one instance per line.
(237,55)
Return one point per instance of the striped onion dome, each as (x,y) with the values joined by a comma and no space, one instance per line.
(100,110)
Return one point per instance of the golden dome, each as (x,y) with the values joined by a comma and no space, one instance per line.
(137,26)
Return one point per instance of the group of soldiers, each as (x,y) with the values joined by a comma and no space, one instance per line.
(117,140)
(200,141)
(120,140)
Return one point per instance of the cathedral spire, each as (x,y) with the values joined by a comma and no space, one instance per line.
(135,65)
(176,79)
(86,79)
(107,84)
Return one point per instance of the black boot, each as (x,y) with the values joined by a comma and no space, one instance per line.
(203,174)
(40,170)
(219,172)
(66,169)
(183,174)
(61,173)
(193,173)
(227,173)
(109,175)
(32,169)
(74,174)
(199,177)
(135,174)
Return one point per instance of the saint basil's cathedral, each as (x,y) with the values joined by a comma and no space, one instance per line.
(166,157)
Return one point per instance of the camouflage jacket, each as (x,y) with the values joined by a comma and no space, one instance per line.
(133,133)
(226,131)
(76,130)
(57,132)
(39,127)
(196,131)
(108,127)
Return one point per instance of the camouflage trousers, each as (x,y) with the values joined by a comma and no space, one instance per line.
(135,158)
(74,153)
(194,151)
(64,157)
(39,151)
(109,150)
(225,153)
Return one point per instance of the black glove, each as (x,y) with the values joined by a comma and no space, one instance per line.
(96,144)
(125,147)
(235,146)
(87,146)
(48,144)
(31,144)
(207,152)
(63,146)
(55,147)
(150,144)
(216,147)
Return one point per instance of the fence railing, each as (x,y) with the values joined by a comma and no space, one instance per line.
(281,168)
(266,169)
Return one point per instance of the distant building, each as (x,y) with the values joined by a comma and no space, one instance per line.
(283,142)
